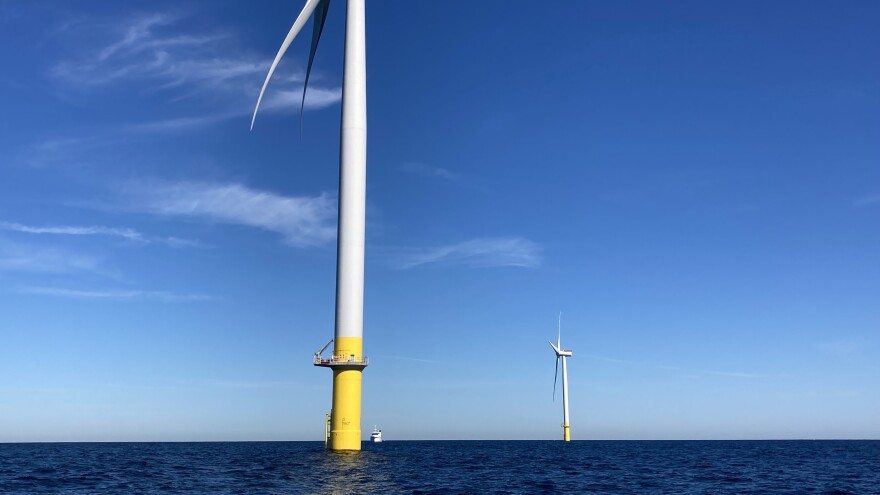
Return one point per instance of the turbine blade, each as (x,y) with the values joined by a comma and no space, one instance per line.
(294,30)
(317,28)
(555,375)
(554,347)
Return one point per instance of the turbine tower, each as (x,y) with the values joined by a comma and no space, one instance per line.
(562,354)
(347,361)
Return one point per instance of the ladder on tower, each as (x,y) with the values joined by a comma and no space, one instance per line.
(326,429)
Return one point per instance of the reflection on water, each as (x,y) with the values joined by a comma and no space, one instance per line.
(350,472)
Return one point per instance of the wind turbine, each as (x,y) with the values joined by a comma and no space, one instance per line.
(562,354)
(347,361)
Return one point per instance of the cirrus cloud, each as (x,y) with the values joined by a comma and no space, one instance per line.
(481,252)
(302,221)
(116,294)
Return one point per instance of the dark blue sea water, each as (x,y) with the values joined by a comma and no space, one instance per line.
(614,467)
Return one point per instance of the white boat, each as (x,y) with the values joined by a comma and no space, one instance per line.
(376,436)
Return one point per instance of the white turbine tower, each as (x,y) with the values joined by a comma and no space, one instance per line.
(562,354)
(347,361)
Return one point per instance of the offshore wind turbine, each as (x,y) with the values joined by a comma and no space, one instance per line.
(347,361)
(562,354)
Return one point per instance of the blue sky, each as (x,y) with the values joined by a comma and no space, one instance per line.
(695,185)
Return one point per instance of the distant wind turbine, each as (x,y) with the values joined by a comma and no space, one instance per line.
(347,360)
(563,355)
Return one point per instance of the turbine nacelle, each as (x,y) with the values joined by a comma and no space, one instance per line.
(560,352)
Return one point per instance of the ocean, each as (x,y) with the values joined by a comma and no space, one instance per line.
(444,467)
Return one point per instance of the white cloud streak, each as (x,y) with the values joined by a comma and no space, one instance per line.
(160,296)
(301,220)
(425,170)
(316,98)
(179,124)
(287,101)
(209,68)
(129,234)
(23,258)
(70,151)
(124,233)
(483,252)
(866,201)
(142,48)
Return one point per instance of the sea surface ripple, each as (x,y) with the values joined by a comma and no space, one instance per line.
(444,467)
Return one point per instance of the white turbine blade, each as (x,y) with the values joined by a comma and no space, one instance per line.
(556,374)
(553,346)
(294,30)
(317,29)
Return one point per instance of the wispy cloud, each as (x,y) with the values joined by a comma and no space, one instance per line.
(484,252)
(161,296)
(179,124)
(129,234)
(124,233)
(27,258)
(284,100)
(147,47)
(67,151)
(316,98)
(157,50)
(426,170)
(864,201)
(300,220)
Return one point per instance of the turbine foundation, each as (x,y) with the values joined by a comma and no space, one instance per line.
(345,419)
(347,363)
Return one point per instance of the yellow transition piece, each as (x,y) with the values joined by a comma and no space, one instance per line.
(345,417)
(567,435)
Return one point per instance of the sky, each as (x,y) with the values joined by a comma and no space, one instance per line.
(695,186)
